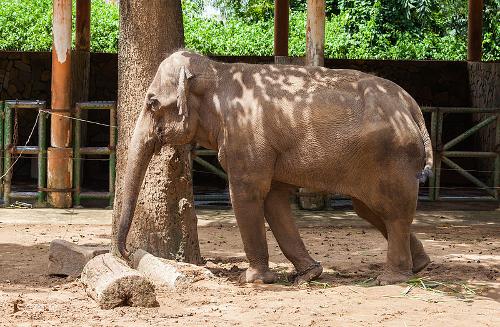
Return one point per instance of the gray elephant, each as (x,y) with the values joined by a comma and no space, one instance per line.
(279,127)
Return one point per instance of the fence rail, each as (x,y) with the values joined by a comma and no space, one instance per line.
(445,153)
(78,151)
(11,149)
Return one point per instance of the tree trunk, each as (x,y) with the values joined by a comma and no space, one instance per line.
(165,220)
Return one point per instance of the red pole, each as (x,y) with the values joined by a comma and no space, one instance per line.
(315,33)
(475,30)
(59,163)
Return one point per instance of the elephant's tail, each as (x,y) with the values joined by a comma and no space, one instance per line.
(429,157)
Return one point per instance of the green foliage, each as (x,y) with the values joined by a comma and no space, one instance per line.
(24,26)
(383,29)
(28,27)
(104,27)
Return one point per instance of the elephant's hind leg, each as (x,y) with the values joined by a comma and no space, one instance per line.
(395,202)
(420,259)
(280,218)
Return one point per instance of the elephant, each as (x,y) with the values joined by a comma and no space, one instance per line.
(280,127)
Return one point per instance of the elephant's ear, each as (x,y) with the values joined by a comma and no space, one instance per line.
(182,91)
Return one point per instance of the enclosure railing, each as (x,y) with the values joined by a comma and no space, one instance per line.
(198,153)
(79,151)
(443,152)
(11,149)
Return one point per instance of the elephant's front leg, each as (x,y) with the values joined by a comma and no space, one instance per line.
(248,205)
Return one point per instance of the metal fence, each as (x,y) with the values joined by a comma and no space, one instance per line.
(79,151)
(11,150)
(445,153)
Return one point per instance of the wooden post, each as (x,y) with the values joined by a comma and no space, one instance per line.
(475,30)
(81,55)
(281,28)
(59,179)
(315,33)
(80,82)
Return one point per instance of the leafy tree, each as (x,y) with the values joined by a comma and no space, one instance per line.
(391,29)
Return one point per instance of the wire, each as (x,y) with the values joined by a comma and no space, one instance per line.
(35,156)
(79,119)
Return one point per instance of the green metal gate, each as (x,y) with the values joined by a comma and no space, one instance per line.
(443,153)
(110,151)
(11,150)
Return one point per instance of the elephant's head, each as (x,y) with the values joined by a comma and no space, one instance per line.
(165,119)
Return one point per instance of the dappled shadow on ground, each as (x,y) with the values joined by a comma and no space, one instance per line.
(481,279)
(334,218)
(26,266)
(464,248)
(355,255)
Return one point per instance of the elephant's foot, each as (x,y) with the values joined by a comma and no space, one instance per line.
(419,257)
(420,261)
(392,277)
(253,275)
(310,273)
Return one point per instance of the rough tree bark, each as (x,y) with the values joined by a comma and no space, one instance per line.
(165,220)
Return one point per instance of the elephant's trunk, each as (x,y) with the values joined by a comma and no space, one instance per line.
(140,151)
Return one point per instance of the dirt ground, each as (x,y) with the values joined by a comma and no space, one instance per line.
(463,281)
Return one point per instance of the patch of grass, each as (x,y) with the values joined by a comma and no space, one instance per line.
(369,282)
(319,284)
(458,290)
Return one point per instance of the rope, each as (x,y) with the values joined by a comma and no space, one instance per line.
(78,119)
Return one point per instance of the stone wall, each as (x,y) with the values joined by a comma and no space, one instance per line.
(26,75)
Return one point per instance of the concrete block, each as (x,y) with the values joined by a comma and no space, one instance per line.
(68,259)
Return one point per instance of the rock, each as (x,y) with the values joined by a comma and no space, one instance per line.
(112,283)
(22,66)
(68,259)
(6,80)
(45,76)
(169,273)
(12,90)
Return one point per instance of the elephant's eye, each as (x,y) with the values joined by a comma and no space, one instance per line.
(152,101)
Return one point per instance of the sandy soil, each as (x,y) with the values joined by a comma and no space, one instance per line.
(464,246)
